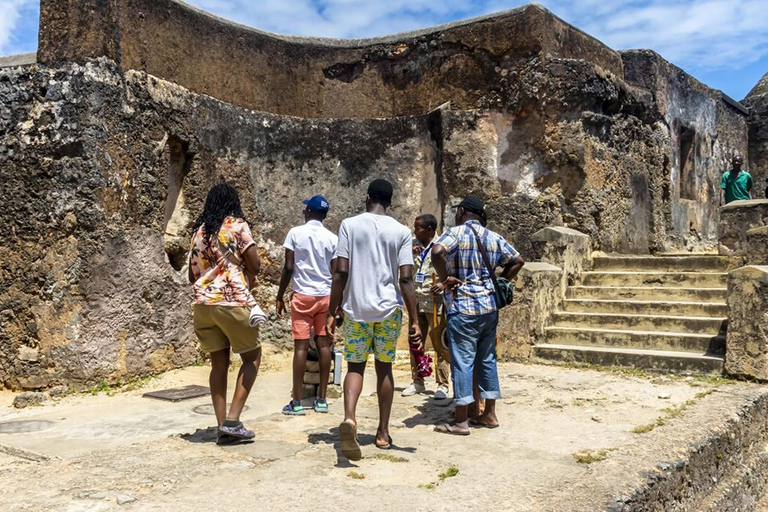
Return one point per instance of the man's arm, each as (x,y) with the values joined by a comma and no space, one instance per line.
(338,284)
(446,282)
(722,197)
(285,278)
(512,268)
(409,297)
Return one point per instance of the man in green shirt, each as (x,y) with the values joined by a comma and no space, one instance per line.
(736,183)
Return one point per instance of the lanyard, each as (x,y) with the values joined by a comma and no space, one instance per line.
(423,255)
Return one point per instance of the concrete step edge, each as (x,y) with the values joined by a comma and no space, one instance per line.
(650,272)
(672,334)
(633,315)
(612,350)
(644,288)
(648,302)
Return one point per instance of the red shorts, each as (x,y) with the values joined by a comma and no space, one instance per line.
(308,311)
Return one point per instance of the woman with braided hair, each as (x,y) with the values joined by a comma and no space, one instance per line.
(223,250)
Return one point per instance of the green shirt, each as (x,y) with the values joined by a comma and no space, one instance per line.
(736,188)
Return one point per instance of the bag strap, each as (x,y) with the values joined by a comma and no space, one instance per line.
(484,254)
(226,253)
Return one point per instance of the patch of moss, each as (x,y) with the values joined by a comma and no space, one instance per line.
(448,473)
(588,457)
(389,458)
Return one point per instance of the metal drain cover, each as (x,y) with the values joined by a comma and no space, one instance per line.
(24,426)
(207,409)
(178,394)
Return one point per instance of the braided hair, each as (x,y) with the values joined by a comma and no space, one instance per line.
(222,202)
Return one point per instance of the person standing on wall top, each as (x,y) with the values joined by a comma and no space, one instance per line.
(472,311)
(308,262)
(736,183)
(372,278)
(223,302)
(424,228)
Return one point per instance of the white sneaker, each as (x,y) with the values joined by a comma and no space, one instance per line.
(441,393)
(413,389)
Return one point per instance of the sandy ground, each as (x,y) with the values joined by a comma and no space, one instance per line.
(123,451)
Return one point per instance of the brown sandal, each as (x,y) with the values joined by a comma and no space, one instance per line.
(474,422)
(350,447)
(449,428)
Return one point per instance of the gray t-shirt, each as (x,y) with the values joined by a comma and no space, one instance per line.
(376,246)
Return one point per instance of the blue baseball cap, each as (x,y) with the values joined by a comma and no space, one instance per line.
(317,203)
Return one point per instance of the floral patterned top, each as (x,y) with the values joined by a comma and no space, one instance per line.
(217,280)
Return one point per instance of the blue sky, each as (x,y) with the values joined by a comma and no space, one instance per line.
(723,43)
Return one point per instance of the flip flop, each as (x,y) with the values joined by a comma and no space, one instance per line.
(480,424)
(387,446)
(350,447)
(447,428)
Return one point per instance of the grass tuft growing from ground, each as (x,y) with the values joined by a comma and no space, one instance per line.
(669,414)
(355,475)
(428,487)
(121,386)
(389,458)
(588,456)
(448,473)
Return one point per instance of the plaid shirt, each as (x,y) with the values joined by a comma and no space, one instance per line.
(464,260)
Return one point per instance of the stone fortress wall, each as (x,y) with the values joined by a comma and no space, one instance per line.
(109,143)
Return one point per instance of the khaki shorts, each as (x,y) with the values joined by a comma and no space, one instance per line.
(222,327)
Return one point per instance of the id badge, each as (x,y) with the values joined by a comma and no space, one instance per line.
(419,278)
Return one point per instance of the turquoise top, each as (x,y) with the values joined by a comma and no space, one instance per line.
(736,187)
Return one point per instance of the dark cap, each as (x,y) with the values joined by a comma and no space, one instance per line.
(317,204)
(472,204)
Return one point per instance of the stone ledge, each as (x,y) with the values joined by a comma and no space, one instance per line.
(747,339)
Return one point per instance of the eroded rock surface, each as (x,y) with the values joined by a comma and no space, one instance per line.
(747,342)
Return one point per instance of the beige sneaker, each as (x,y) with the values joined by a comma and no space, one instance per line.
(441,393)
(413,389)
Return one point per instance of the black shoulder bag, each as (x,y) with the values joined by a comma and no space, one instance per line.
(503,290)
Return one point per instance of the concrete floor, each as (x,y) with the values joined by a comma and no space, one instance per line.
(102,452)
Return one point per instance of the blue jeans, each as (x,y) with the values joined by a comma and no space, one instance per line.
(472,342)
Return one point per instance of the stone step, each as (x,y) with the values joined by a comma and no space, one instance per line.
(658,360)
(671,279)
(646,307)
(676,263)
(635,322)
(648,293)
(650,340)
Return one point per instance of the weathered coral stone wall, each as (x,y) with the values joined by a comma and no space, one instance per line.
(466,63)
(757,102)
(697,119)
(103,174)
(109,144)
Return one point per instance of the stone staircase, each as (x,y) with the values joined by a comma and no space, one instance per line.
(664,313)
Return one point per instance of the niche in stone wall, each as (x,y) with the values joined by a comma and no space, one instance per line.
(176,220)
(687,158)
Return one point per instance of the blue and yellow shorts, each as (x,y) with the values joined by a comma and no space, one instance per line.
(362,338)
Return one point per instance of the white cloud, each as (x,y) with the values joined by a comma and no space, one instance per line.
(8,20)
(711,34)
(10,15)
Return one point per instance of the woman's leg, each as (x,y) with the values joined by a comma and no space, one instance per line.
(218,383)
(245,379)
